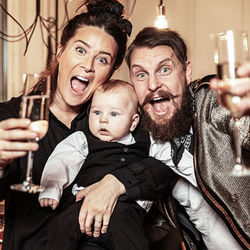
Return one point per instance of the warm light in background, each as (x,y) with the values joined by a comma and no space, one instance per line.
(161,20)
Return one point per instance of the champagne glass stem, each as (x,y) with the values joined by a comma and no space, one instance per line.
(239,168)
(237,140)
(29,166)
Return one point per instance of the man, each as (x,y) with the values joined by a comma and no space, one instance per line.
(177,113)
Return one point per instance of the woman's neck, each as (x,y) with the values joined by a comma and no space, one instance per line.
(64,112)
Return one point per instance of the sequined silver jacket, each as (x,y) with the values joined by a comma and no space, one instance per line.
(213,154)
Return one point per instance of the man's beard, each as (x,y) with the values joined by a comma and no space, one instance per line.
(174,127)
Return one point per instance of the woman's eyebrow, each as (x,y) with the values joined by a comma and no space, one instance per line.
(89,46)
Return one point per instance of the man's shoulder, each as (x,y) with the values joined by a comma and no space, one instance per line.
(201,82)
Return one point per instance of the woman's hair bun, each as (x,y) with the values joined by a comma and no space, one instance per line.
(110,9)
(115,8)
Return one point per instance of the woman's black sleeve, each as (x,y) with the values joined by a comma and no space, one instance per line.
(9,109)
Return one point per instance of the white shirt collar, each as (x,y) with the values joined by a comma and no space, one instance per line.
(127,140)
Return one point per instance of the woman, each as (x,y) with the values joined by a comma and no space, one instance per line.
(92,47)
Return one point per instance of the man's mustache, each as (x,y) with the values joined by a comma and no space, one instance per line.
(163,94)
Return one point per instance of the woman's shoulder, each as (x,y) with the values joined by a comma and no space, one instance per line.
(10,108)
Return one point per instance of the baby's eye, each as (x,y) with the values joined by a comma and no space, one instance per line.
(80,50)
(114,114)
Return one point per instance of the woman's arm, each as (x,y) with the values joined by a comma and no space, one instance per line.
(13,144)
(146,179)
(99,202)
(13,132)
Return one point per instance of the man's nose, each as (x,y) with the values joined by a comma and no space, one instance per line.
(153,83)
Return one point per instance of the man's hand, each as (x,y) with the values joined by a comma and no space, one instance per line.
(99,202)
(241,88)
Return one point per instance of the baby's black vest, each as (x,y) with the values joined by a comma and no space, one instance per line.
(105,157)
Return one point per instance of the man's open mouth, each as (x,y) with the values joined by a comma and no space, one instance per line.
(79,84)
(160,104)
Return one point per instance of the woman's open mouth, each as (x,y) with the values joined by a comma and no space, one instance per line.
(79,84)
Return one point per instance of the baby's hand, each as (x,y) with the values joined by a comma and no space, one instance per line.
(46,202)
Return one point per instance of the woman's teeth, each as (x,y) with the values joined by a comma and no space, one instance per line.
(79,84)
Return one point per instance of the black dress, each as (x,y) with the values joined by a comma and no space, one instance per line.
(26,223)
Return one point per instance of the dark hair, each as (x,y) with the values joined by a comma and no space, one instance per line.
(152,37)
(104,14)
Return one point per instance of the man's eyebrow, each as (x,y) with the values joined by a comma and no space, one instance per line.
(161,62)
(166,60)
(89,46)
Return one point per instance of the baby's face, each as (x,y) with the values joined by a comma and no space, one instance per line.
(112,115)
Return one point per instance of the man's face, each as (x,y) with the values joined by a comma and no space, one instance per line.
(160,81)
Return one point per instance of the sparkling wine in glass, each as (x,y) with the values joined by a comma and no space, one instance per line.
(231,52)
(34,106)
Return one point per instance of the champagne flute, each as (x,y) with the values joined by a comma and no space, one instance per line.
(34,106)
(232,51)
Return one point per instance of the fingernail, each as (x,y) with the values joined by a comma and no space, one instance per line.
(27,121)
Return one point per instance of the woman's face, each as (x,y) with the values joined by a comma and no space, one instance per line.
(84,63)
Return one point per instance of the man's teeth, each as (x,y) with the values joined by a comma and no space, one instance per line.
(159,99)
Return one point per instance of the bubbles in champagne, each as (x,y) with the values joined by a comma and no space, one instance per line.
(36,108)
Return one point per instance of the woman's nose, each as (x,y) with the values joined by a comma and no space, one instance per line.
(88,65)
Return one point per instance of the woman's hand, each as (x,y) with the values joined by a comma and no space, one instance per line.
(13,132)
(99,202)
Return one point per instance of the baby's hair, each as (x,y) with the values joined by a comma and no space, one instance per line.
(117,85)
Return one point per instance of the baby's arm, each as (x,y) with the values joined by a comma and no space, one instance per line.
(45,202)
(62,167)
